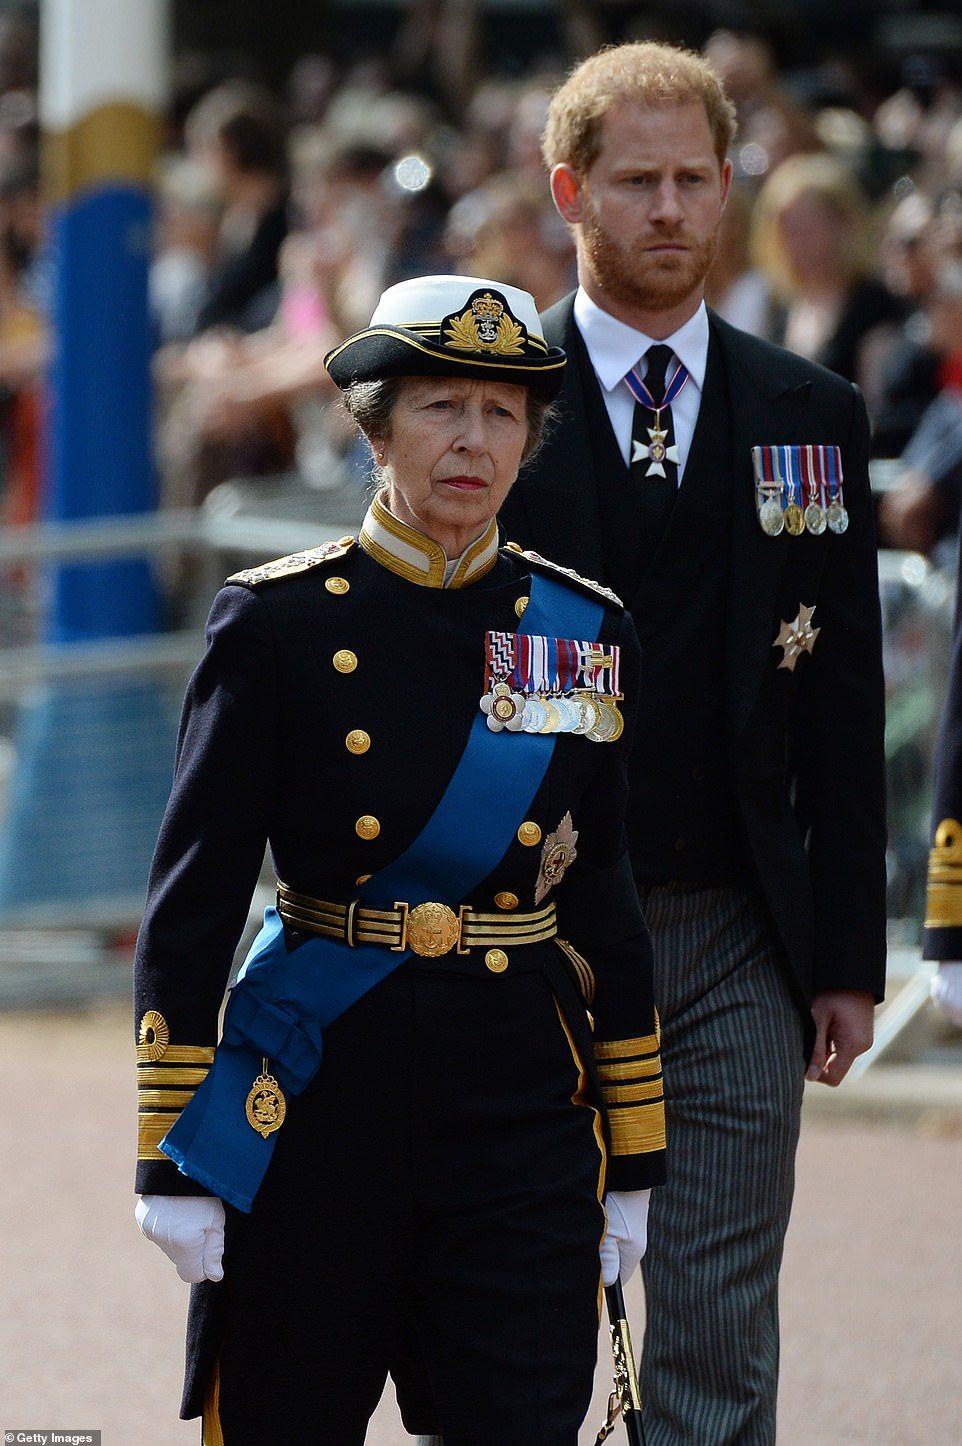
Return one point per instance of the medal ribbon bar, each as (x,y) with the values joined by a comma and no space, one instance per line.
(551,667)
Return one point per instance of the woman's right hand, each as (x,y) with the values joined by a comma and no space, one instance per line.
(189,1230)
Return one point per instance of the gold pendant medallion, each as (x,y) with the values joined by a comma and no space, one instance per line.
(266,1105)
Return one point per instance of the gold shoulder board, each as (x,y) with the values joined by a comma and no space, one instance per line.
(296,562)
(586,583)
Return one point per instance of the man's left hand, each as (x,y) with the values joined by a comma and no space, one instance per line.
(844,1030)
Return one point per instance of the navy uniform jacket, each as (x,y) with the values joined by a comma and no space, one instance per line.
(942,937)
(805,746)
(301,655)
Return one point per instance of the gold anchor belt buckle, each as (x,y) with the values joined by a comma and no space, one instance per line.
(430,930)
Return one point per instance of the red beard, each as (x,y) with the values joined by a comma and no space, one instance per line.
(648,281)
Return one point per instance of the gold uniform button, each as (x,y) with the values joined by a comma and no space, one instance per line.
(357,741)
(367,826)
(506,900)
(529,834)
(337,584)
(496,960)
(520,606)
(345,541)
(344,660)
(513,547)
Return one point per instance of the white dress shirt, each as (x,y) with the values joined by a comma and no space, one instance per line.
(614,348)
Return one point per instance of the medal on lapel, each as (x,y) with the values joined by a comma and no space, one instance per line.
(837,516)
(815,520)
(536,684)
(609,725)
(503,708)
(768,492)
(794,513)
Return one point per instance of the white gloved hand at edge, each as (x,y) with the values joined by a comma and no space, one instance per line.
(947,990)
(627,1234)
(189,1230)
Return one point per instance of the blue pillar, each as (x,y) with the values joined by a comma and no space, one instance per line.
(93,758)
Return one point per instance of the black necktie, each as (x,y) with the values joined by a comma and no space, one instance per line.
(649,457)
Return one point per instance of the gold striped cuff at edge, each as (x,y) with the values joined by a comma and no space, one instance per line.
(627,1094)
(163,1099)
(177,1054)
(159,1074)
(637,1129)
(151,1129)
(624,1048)
(629,1069)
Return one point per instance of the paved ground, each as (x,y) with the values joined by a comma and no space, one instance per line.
(90,1325)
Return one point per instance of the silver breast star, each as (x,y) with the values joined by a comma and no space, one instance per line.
(656,452)
(797,638)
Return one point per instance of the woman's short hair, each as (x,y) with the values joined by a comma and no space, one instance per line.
(647,73)
(371,405)
(835,189)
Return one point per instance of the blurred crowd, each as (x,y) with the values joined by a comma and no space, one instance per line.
(282,215)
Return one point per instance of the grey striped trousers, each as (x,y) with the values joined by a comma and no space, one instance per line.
(731,1049)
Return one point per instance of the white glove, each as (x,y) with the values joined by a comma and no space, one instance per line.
(947,990)
(627,1234)
(189,1229)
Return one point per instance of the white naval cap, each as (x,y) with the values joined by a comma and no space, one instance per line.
(451,326)
(426,299)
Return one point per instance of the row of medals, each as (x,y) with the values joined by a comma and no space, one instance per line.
(586,714)
(795,519)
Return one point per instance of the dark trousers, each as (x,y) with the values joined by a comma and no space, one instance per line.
(731,1048)
(442,1171)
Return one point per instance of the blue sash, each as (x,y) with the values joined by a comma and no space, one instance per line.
(281,1003)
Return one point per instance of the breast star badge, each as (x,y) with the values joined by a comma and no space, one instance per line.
(796,638)
(557,856)
(655,452)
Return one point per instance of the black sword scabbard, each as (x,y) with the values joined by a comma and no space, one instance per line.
(625,1398)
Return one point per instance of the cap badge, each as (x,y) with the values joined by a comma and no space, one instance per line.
(486,325)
